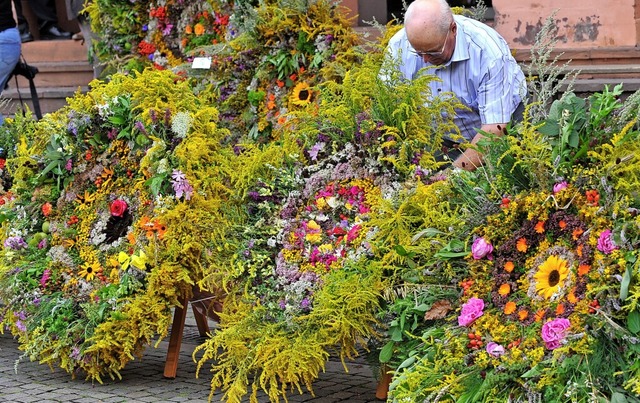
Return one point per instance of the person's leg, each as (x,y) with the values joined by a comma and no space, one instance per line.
(23,25)
(10,48)
(45,12)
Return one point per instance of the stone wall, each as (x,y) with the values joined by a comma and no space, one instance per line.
(580,24)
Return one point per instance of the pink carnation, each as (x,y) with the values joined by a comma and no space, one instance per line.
(495,349)
(471,310)
(605,242)
(554,332)
(559,186)
(481,248)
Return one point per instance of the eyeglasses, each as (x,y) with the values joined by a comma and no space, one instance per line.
(435,54)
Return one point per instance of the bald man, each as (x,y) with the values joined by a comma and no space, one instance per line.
(472,60)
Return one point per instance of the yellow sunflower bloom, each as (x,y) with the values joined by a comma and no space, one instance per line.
(88,270)
(550,276)
(301,94)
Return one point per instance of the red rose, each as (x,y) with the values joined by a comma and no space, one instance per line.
(118,207)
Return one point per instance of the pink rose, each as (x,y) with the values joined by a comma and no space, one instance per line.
(559,186)
(495,349)
(471,310)
(605,243)
(481,248)
(118,207)
(554,332)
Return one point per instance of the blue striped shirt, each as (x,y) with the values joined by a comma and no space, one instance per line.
(482,73)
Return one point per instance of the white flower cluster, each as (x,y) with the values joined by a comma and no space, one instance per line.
(181,123)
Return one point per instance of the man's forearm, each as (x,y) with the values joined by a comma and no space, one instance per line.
(471,159)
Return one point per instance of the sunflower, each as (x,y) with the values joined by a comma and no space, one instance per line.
(301,94)
(551,275)
(88,270)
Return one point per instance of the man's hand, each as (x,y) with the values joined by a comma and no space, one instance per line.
(471,159)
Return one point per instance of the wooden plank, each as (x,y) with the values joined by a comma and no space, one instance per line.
(201,321)
(175,341)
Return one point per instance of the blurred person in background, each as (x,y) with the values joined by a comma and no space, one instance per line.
(10,45)
(47,17)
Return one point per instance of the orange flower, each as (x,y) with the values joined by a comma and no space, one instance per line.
(504,289)
(199,29)
(560,309)
(293,77)
(523,314)
(579,250)
(280,83)
(521,245)
(562,224)
(510,308)
(572,296)
(540,315)
(46,209)
(540,227)
(576,233)
(583,269)
(593,197)
(188,29)
(271,103)
(509,266)
(160,228)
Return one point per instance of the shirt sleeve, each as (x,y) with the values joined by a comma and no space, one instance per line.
(500,91)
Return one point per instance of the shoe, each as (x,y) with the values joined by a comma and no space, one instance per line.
(25,35)
(50,32)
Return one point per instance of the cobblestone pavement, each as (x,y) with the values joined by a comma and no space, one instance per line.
(143,381)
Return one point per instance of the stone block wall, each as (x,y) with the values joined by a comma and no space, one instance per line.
(580,24)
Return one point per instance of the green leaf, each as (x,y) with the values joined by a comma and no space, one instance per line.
(532,373)
(117,120)
(427,232)
(386,352)
(624,285)
(617,397)
(633,321)
(408,362)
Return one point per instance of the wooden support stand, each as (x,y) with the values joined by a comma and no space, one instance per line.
(177,329)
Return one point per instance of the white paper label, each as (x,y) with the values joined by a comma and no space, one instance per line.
(201,63)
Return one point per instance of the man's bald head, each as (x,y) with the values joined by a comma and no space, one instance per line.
(427,21)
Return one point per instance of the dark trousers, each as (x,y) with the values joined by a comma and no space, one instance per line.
(44,10)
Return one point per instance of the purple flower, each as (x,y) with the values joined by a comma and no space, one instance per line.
(45,277)
(605,242)
(471,310)
(554,332)
(15,243)
(313,151)
(181,185)
(481,248)
(21,327)
(167,29)
(69,165)
(495,349)
(559,186)
(305,303)
(140,126)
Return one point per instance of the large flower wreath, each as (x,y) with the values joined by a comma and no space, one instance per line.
(96,251)
(305,274)
(548,284)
